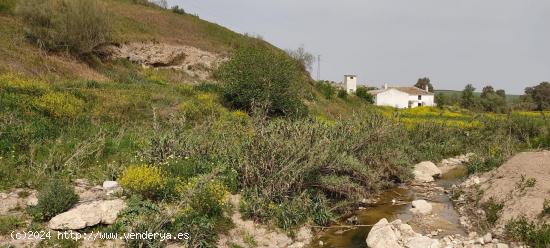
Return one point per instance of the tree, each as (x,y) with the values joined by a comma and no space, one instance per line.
(363,93)
(468,97)
(487,90)
(540,95)
(257,75)
(501,93)
(422,82)
(305,58)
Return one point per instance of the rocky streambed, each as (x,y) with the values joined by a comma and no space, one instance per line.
(419,214)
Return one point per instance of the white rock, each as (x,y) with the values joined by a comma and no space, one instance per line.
(488,238)
(109,185)
(500,245)
(422,242)
(425,171)
(421,207)
(382,235)
(88,214)
(32,200)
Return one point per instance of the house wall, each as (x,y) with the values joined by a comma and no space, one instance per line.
(350,83)
(425,100)
(392,98)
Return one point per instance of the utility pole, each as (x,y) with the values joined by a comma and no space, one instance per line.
(318,67)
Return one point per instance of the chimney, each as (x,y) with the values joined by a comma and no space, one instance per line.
(427,88)
(385,86)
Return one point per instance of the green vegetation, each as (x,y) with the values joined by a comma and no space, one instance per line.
(77,25)
(9,224)
(145,180)
(363,93)
(534,235)
(256,76)
(492,210)
(54,198)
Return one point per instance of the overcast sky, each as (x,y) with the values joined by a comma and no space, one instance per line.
(504,43)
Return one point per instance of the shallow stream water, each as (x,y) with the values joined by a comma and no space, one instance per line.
(385,208)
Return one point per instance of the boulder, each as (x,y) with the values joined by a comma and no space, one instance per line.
(421,207)
(87,215)
(425,172)
(110,185)
(382,235)
(422,242)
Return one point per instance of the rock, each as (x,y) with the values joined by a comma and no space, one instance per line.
(488,238)
(426,171)
(422,242)
(501,245)
(32,200)
(321,243)
(472,235)
(421,207)
(109,185)
(382,235)
(480,241)
(87,215)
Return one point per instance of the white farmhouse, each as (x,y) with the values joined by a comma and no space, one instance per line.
(350,83)
(403,97)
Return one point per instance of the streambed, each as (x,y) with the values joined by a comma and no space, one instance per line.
(395,203)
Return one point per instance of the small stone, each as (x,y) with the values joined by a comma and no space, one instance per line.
(421,207)
(501,245)
(472,235)
(109,185)
(480,241)
(321,243)
(488,238)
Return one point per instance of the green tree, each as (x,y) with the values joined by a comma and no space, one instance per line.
(540,95)
(262,76)
(501,93)
(487,90)
(422,82)
(468,98)
(363,93)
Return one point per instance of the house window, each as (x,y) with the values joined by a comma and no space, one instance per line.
(419,97)
(350,77)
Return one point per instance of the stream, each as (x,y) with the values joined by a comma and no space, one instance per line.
(444,217)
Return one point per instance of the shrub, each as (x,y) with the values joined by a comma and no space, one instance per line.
(9,224)
(493,210)
(59,105)
(54,198)
(546,207)
(178,10)
(343,94)
(326,89)
(363,93)
(523,230)
(207,198)
(74,25)
(259,75)
(7,6)
(145,180)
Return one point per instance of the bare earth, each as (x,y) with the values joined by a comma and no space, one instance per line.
(520,198)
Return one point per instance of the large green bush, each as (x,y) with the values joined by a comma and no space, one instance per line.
(260,76)
(73,25)
(54,198)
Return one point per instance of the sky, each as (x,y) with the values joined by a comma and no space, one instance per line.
(503,43)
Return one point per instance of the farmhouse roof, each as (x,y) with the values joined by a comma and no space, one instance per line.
(411,90)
